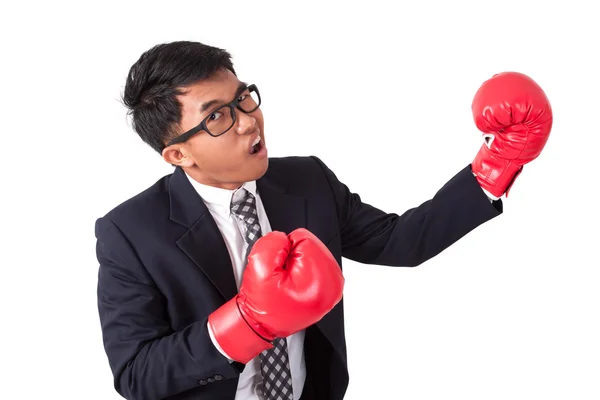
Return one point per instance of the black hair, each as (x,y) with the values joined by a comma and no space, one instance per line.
(158,76)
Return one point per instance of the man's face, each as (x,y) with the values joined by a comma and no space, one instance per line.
(227,160)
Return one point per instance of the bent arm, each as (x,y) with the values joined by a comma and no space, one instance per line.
(148,359)
(372,236)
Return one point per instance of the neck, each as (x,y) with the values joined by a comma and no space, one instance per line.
(203,179)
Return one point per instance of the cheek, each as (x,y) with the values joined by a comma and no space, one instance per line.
(217,153)
(260,120)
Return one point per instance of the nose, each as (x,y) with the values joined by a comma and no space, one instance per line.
(245,123)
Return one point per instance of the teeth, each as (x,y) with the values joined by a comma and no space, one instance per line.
(256,141)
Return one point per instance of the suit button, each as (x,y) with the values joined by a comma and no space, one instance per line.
(218,377)
(203,381)
(211,380)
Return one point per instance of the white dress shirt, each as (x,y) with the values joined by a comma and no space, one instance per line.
(218,202)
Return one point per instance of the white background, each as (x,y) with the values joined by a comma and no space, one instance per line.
(382,94)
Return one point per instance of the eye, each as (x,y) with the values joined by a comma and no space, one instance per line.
(242,97)
(215,116)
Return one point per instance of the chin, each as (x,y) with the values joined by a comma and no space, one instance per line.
(260,169)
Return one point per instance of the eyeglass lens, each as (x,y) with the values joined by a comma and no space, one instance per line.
(222,119)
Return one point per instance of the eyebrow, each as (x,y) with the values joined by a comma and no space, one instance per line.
(240,89)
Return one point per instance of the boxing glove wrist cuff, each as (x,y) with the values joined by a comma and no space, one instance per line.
(234,335)
(494,175)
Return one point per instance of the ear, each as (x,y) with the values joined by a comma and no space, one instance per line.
(175,156)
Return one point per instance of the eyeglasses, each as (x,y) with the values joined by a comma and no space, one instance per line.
(223,118)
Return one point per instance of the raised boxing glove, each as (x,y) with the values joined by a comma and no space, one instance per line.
(290,283)
(515,117)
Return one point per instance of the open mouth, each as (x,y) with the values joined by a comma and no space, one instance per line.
(256,146)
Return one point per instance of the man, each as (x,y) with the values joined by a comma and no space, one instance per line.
(223,279)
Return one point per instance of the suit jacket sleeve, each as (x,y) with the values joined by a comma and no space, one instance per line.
(148,360)
(371,236)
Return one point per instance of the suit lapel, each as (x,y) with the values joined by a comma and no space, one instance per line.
(284,211)
(203,242)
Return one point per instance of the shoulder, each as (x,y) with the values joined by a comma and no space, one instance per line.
(296,168)
(145,205)
(306,176)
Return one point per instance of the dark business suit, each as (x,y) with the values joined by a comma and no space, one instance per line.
(164,268)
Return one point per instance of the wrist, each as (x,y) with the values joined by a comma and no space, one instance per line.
(234,335)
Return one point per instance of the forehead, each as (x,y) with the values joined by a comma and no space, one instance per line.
(222,86)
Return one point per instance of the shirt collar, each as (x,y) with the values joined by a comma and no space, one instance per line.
(219,200)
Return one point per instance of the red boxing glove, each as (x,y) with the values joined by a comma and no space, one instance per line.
(290,283)
(515,116)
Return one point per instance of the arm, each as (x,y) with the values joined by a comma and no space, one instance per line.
(372,236)
(148,360)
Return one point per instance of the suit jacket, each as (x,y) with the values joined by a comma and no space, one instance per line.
(164,268)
